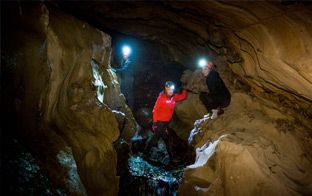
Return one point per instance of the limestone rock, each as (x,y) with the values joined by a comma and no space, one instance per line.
(268,44)
(194,81)
(61,94)
(259,151)
(186,113)
(58,86)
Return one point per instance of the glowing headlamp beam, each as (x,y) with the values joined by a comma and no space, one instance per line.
(172,87)
(126,50)
(202,62)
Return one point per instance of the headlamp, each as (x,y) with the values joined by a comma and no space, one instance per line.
(170,84)
(172,87)
(202,62)
(126,50)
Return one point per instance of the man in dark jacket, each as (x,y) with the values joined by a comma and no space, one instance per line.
(126,74)
(218,96)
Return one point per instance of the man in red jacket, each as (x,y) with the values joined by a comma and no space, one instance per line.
(162,114)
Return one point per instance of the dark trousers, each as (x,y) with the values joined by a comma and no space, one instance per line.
(214,101)
(159,132)
(126,86)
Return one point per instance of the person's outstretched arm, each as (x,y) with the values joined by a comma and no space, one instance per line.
(180,97)
(119,69)
(123,67)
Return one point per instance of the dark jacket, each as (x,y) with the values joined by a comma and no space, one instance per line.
(124,66)
(216,85)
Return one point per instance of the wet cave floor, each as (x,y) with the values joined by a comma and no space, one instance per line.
(154,174)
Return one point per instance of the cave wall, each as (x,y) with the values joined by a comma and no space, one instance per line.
(52,89)
(254,148)
(268,44)
(275,43)
(61,97)
(266,146)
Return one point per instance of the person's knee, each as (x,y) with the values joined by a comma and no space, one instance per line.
(228,102)
(225,103)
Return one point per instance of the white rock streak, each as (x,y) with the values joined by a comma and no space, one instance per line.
(98,82)
(204,153)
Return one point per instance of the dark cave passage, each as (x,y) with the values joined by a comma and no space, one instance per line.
(151,65)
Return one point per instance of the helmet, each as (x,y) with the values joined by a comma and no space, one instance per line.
(169,84)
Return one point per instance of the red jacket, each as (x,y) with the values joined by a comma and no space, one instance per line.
(164,106)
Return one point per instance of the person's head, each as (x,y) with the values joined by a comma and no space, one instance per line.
(207,68)
(126,51)
(210,65)
(125,56)
(169,88)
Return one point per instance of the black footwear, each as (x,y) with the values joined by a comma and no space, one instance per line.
(220,112)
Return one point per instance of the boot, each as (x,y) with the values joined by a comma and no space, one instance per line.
(220,111)
(214,113)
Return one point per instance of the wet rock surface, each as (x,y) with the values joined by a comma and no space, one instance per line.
(153,179)
(152,174)
(23,175)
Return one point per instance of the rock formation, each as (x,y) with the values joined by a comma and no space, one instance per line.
(252,149)
(268,44)
(257,147)
(63,104)
(59,85)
